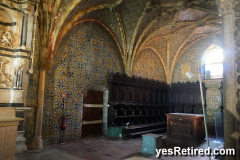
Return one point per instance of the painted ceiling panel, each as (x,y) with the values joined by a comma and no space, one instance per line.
(84,4)
(64,4)
(210,5)
(109,19)
(177,39)
(206,30)
(164,1)
(148,18)
(160,45)
(163,21)
(131,11)
(167,23)
(191,15)
(166,31)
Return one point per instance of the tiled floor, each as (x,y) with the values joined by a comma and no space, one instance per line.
(102,148)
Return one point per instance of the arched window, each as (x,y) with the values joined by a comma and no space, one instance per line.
(213,62)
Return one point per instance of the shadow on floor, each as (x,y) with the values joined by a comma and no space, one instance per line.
(105,148)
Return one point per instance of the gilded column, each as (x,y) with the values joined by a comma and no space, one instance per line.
(1,62)
(15,85)
(226,9)
(24,31)
(34,40)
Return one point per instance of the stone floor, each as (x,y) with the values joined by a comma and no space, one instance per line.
(103,148)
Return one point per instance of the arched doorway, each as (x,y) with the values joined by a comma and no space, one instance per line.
(95,109)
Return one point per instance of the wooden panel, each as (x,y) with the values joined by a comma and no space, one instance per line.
(131,95)
(159,97)
(90,113)
(123,94)
(185,94)
(173,98)
(155,97)
(164,98)
(113,94)
(93,97)
(137,96)
(188,109)
(151,96)
(189,97)
(185,127)
(197,98)
(144,96)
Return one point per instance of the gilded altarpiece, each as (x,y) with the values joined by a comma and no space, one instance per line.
(16,29)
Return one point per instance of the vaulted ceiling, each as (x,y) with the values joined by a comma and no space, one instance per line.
(167,27)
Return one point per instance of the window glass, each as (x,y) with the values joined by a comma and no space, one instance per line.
(214,63)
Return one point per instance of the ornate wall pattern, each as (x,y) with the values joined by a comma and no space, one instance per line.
(213,101)
(85,57)
(84,4)
(191,58)
(148,65)
(132,11)
(30,124)
(162,49)
(148,18)
(191,61)
(64,5)
(109,19)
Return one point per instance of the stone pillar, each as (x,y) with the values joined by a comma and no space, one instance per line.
(105,111)
(226,9)
(15,85)
(20,78)
(37,140)
(1,62)
(24,31)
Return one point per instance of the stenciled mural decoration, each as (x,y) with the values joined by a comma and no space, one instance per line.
(86,56)
(191,61)
(148,65)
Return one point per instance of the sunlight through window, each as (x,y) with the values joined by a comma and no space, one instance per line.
(214,63)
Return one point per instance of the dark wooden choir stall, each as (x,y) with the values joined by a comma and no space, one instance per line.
(136,106)
(139,106)
(186,124)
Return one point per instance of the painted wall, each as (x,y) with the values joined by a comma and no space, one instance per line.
(85,57)
(148,65)
(191,58)
(191,61)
